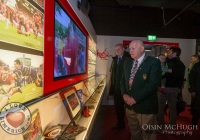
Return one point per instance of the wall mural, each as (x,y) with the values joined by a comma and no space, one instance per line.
(103,55)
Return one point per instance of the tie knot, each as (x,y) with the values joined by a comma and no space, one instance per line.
(136,62)
(119,58)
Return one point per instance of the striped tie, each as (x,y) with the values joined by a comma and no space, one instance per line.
(133,72)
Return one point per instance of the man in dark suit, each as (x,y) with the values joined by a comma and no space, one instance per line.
(139,86)
(117,70)
(194,80)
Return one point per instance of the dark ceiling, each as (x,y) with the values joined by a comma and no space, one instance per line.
(139,18)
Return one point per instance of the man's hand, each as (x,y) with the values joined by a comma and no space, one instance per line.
(126,97)
(129,100)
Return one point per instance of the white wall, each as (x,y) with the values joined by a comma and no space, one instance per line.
(187,46)
(84,19)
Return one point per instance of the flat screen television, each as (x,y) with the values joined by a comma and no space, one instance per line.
(70,45)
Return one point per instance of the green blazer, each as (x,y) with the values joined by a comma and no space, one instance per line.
(144,87)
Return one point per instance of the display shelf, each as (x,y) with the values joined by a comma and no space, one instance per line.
(91,84)
(94,87)
(87,122)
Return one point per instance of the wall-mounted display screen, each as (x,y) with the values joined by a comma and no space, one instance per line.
(69,45)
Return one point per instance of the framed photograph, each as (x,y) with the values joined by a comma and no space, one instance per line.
(71,101)
(25,73)
(22,24)
(80,95)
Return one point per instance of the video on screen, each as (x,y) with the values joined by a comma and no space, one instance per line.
(69,46)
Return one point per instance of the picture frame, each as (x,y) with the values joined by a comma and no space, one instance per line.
(33,79)
(80,94)
(71,101)
(19,36)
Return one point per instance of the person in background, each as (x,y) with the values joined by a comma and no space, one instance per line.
(174,82)
(70,51)
(139,87)
(117,70)
(194,59)
(82,60)
(165,69)
(194,88)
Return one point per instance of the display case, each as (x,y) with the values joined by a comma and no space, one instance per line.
(81,102)
(80,124)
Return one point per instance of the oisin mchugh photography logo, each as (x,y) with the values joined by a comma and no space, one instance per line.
(15,118)
(178,129)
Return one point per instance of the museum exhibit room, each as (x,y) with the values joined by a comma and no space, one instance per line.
(99,70)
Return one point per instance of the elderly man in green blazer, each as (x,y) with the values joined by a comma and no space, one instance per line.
(139,86)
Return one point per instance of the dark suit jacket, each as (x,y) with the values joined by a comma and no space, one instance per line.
(144,87)
(176,78)
(194,80)
(117,71)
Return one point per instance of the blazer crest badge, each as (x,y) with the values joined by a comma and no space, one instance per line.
(144,76)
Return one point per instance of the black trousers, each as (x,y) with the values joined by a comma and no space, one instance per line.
(119,108)
(195,110)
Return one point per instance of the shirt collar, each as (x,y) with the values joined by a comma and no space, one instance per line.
(141,58)
(120,56)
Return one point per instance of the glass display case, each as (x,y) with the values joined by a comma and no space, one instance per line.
(90,96)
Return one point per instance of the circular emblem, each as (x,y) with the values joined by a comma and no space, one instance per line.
(15,118)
